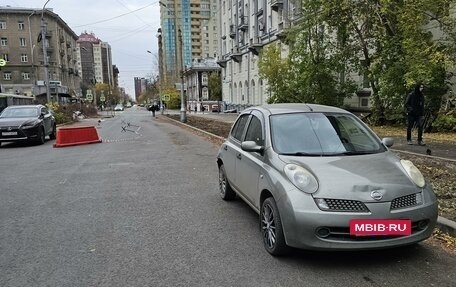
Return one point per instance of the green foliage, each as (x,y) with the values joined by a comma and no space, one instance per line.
(445,122)
(174,102)
(64,113)
(390,43)
(215,86)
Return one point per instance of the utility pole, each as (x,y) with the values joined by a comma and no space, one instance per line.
(183,112)
(45,57)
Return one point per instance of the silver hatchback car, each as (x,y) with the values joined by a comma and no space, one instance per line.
(321,179)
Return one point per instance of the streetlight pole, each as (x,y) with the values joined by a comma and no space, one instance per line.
(183,113)
(159,72)
(45,58)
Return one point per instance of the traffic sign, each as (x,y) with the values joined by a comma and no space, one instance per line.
(89,95)
(102,98)
(2,62)
(166,98)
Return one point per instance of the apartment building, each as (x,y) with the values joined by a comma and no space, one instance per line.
(23,48)
(141,85)
(246,27)
(188,32)
(94,60)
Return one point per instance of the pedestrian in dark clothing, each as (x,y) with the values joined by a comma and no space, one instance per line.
(153,108)
(203,108)
(414,105)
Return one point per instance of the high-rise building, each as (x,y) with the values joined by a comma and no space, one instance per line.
(25,50)
(140,87)
(94,60)
(197,24)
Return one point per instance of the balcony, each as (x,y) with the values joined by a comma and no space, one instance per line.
(276,4)
(222,62)
(243,23)
(232,31)
(236,55)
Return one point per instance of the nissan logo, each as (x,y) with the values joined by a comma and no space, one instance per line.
(377,195)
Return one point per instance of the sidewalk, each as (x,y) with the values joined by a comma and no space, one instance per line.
(438,150)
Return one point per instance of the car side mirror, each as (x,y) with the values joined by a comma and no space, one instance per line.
(388,142)
(251,146)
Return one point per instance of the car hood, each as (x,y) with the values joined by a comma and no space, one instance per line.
(10,122)
(356,177)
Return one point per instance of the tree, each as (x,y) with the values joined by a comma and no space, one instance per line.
(215,86)
(387,41)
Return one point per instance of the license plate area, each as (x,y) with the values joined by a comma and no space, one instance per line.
(9,133)
(380,227)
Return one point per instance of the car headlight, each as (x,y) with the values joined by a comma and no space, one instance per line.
(413,172)
(301,178)
(30,124)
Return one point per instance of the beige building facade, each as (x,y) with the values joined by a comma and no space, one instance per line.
(21,46)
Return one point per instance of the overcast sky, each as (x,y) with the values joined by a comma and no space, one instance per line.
(129,26)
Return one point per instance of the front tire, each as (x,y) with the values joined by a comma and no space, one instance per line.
(226,192)
(53,134)
(41,137)
(271,228)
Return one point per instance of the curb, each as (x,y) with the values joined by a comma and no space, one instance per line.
(444,224)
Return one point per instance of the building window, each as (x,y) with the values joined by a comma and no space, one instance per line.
(22,42)
(5,57)
(25,76)
(205,94)
(4,42)
(7,76)
(24,58)
(20,25)
(364,102)
(204,79)
(2,25)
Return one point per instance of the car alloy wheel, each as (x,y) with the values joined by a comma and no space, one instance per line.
(226,192)
(271,228)
(41,136)
(53,134)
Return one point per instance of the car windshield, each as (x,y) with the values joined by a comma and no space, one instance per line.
(19,113)
(319,134)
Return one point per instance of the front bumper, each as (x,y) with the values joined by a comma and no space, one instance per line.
(307,227)
(20,134)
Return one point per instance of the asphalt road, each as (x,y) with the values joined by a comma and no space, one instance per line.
(142,209)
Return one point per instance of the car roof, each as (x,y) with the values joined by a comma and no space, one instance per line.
(24,106)
(297,108)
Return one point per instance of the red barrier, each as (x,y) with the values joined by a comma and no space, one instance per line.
(70,136)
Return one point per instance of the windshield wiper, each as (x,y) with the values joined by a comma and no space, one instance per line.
(300,153)
(355,152)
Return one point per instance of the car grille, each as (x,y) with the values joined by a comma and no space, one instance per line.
(345,205)
(10,128)
(404,202)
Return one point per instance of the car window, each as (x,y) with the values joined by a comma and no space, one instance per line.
(321,134)
(254,131)
(19,113)
(239,127)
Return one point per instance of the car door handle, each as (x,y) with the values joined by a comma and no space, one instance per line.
(239,156)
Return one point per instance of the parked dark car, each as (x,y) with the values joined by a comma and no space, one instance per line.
(27,123)
(321,179)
